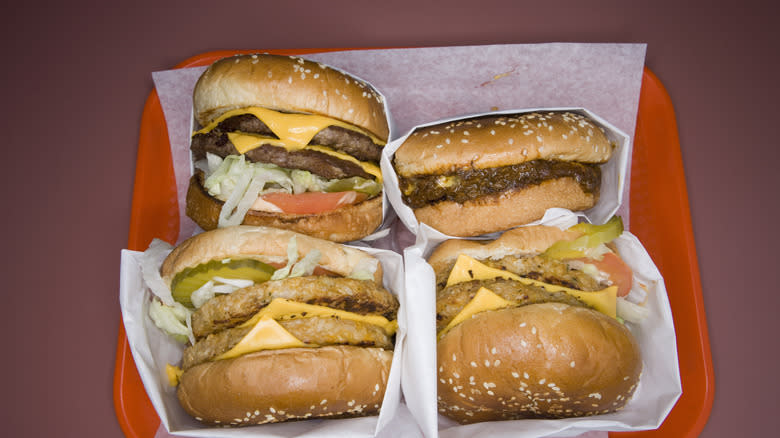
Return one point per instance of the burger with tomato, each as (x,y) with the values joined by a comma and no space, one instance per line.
(289,143)
(533,325)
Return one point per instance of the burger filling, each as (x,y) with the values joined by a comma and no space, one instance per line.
(452,299)
(348,141)
(466,184)
(260,159)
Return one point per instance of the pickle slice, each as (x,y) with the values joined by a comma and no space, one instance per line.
(190,279)
(356,183)
(594,236)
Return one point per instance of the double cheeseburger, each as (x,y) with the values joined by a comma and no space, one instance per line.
(524,333)
(480,175)
(289,143)
(282,326)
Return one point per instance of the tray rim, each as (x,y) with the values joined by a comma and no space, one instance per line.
(128,397)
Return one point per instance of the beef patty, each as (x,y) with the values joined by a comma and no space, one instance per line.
(463,185)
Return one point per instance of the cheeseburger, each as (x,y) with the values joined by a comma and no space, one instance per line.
(529,326)
(289,143)
(485,174)
(278,326)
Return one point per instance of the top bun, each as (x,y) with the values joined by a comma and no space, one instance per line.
(501,140)
(520,241)
(266,244)
(287,83)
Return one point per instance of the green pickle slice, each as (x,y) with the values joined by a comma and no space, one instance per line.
(191,279)
(594,236)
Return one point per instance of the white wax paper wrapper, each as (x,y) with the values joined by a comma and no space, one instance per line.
(659,386)
(613,172)
(432,83)
(152,350)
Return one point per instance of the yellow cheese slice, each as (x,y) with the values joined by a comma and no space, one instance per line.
(267,334)
(173,373)
(484,300)
(294,130)
(283,309)
(468,269)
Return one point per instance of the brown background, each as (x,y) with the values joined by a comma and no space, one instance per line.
(75,78)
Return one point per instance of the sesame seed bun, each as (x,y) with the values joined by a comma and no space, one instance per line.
(287,83)
(345,224)
(488,214)
(480,175)
(495,141)
(547,360)
(266,244)
(280,385)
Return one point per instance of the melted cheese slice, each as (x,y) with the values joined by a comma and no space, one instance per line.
(484,300)
(267,334)
(468,269)
(294,130)
(282,309)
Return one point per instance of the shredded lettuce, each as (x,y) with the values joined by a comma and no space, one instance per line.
(151,259)
(238,183)
(365,269)
(295,268)
(307,264)
(631,312)
(173,320)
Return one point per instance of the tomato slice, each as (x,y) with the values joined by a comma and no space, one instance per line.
(619,272)
(313,202)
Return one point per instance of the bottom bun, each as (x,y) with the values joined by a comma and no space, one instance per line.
(280,385)
(545,360)
(348,223)
(492,213)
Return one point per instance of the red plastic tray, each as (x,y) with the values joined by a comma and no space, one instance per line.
(660,217)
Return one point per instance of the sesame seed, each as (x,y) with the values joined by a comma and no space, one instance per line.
(323,401)
(571,364)
(533,330)
(525,375)
(492,132)
(541,382)
(473,364)
(464,140)
(496,363)
(456,375)
(522,324)
(487,363)
(539,138)
(493,350)
(454,358)
(515,375)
